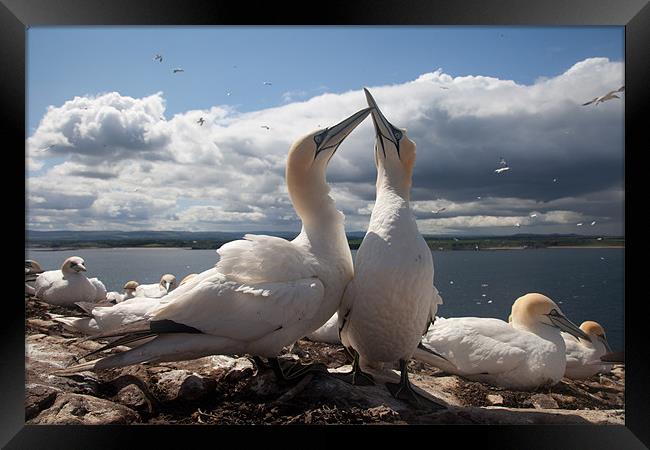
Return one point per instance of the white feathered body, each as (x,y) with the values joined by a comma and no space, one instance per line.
(494,352)
(150,291)
(55,288)
(328,333)
(391,299)
(579,356)
(266,292)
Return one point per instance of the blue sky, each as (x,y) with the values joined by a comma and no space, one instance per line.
(128,153)
(68,61)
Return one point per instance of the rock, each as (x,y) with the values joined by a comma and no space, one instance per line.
(132,397)
(78,409)
(181,385)
(383,412)
(543,401)
(38,397)
(495,399)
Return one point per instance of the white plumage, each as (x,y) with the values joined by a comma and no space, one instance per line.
(528,353)
(581,354)
(68,285)
(165,286)
(328,333)
(265,292)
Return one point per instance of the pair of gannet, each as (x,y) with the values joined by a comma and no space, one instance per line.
(529,352)
(265,292)
(391,301)
(68,285)
(165,286)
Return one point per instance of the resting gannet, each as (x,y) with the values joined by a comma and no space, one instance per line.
(525,354)
(129,292)
(166,285)
(187,278)
(68,285)
(581,354)
(32,270)
(391,301)
(265,292)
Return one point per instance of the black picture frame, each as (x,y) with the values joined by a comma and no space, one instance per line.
(17,15)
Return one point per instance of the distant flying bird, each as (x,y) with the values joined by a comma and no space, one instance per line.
(593,223)
(579,224)
(267,83)
(438,210)
(610,95)
(228,94)
(599,239)
(48,147)
(158,58)
(178,69)
(478,198)
(517,224)
(200,121)
(501,169)
(554,180)
(533,215)
(265,126)
(444,87)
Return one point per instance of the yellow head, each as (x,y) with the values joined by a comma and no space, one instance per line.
(74,264)
(531,310)
(596,332)
(168,282)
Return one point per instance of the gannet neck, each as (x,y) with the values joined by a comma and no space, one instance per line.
(395,182)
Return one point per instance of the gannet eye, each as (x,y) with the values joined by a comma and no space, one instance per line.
(398,134)
(318,139)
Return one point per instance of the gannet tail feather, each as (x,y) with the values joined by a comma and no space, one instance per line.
(435,359)
(88,307)
(139,326)
(164,348)
(86,325)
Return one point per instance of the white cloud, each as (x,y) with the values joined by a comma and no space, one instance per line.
(116,163)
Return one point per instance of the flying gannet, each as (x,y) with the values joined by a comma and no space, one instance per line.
(201,121)
(158,58)
(68,285)
(609,96)
(582,354)
(178,69)
(265,292)
(165,286)
(527,353)
(391,301)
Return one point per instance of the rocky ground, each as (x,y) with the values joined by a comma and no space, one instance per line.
(231,390)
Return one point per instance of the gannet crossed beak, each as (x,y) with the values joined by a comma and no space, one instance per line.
(333,136)
(383,128)
(565,324)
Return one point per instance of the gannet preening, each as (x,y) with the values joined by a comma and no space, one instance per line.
(265,292)
(187,278)
(582,356)
(328,333)
(68,285)
(391,301)
(32,270)
(165,286)
(129,292)
(609,96)
(525,354)
(201,121)
(178,69)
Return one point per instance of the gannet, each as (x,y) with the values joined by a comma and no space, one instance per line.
(178,69)
(525,354)
(501,169)
(582,354)
(610,95)
(68,285)
(158,58)
(391,301)
(166,285)
(267,83)
(32,270)
(439,210)
(201,121)
(265,126)
(265,292)
(129,292)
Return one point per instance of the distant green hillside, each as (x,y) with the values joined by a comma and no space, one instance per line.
(214,240)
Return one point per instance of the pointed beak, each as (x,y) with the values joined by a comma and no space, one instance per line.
(383,128)
(167,285)
(335,135)
(566,325)
(80,268)
(603,339)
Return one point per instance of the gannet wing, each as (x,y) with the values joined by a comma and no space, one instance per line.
(100,288)
(45,281)
(261,258)
(476,345)
(245,312)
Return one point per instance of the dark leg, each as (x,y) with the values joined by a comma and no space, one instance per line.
(404,391)
(356,377)
(294,371)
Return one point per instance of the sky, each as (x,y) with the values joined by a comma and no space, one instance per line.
(113,144)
